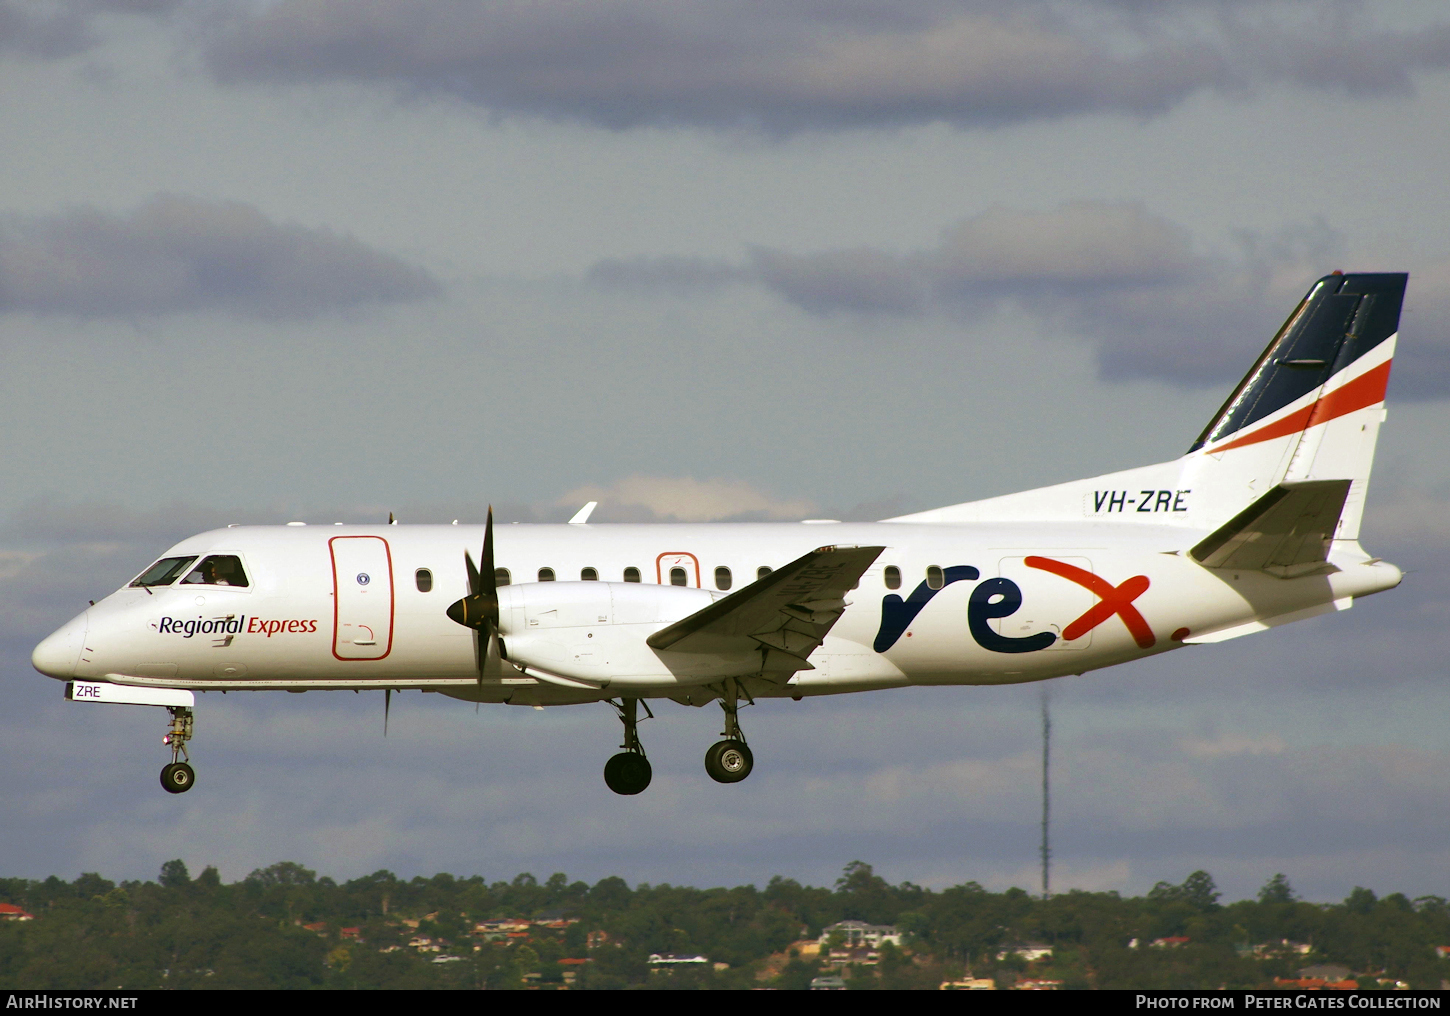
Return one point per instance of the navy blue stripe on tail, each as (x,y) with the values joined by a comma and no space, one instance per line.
(1341,319)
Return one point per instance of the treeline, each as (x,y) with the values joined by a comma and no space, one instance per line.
(184,932)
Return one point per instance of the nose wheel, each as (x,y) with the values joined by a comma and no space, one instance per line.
(629,772)
(730,760)
(178,776)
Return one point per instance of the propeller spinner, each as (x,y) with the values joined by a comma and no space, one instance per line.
(479,609)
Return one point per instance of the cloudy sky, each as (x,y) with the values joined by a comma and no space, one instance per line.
(322,260)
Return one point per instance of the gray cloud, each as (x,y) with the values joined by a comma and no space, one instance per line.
(862,280)
(789,66)
(57,29)
(1129,280)
(778,67)
(35,30)
(177,254)
(775,66)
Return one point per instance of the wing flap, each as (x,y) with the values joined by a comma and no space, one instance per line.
(788,611)
(1287,532)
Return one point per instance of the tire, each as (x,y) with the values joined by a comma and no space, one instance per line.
(628,773)
(177,778)
(729,761)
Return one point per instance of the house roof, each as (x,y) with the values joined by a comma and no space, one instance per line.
(1325,972)
(885,929)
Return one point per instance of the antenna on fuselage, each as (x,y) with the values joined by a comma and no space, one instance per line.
(387,705)
(392,521)
(1046,799)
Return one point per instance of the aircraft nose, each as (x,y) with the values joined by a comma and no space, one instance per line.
(58,654)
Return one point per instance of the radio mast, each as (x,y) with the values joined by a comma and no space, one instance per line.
(1046,799)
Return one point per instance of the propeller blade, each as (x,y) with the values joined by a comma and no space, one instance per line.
(474,580)
(490,574)
(479,609)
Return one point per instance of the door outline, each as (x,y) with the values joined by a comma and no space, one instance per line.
(1078,559)
(392,600)
(659,566)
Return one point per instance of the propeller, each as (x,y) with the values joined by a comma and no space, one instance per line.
(479,609)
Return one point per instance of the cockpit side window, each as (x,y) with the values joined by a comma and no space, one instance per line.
(163,572)
(217,570)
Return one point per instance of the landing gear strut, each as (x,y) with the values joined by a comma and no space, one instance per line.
(629,772)
(178,777)
(730,760)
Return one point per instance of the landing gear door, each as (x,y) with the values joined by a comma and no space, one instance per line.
(1049,602)
(362,583)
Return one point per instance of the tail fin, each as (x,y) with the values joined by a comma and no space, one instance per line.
(1310,409)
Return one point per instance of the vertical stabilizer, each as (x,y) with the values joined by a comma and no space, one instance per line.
(1311,407)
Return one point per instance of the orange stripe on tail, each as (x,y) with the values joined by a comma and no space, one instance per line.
(1363,391)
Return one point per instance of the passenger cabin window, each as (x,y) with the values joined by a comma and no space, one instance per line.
(677,577)
(163,572)
(589,575)
(893,577)
(217,570)
(762,572)
(424,578)
(546,575)
(501,577)
(722,577)
(934,578)
(631,574)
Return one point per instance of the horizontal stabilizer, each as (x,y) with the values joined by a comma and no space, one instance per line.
(1287,532)
(789,611)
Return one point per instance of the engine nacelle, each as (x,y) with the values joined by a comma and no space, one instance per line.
(594,633)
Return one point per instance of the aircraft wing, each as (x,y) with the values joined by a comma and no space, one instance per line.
(1286,532)
(788,611)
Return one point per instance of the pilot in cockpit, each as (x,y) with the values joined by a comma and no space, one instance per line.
(217,570)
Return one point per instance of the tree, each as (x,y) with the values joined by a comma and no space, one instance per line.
(1277,890)
(1360,900)
(174,874)
(1198,891)
(867,896)
(282,873)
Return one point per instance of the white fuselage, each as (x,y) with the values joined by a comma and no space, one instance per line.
(342,607)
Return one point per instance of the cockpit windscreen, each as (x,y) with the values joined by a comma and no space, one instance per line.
(163,572)
(217,570)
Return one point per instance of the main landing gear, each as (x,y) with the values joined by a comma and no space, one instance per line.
(730,760)
(629,772)
(178,777)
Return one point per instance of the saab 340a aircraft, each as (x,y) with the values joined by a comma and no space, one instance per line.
(1257,525)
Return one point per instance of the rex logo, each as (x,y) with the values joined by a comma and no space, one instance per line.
(997,598)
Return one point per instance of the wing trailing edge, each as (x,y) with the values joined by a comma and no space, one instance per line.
(787,613)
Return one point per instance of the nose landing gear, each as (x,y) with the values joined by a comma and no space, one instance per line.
(178,777)
(730,760)
(629,772)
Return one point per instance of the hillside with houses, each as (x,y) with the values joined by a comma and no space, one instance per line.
(286,927)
